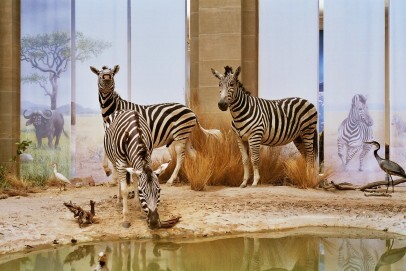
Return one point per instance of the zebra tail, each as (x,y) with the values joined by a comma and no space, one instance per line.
(315,144)
(210,132)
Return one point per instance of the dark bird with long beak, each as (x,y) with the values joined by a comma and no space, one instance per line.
(390,167)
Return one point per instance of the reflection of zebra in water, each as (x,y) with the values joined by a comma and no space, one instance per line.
(399,123)
(354,131)
(170,123)
(258,121)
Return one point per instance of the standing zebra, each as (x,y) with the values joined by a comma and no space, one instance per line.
(168,122)
(258,121)
(354,131)
(128,145)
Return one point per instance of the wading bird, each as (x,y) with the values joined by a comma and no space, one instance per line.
(390,167)
(61,179)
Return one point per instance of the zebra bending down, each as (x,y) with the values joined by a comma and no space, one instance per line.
(258,121)
(168,122)
(354,131)
(128,145)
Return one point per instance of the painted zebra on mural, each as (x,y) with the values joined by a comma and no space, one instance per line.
(128,145)
(258,121)
(168,122)
(354,131)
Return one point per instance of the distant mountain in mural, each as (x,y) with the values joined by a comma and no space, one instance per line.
(64,109)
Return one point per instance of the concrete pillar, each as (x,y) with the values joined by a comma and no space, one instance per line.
(221,33)
(9,82)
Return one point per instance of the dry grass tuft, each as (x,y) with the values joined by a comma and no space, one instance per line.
(12,186)
(299,174)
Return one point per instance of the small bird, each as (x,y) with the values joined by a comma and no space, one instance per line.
(390,167)
(62,179)
(102,263)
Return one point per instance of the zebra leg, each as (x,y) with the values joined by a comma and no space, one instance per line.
(119,195)
(340,146)
(255,144)
(365,150)
(350,154)
(180,155)
(106,168)
(245,160)
(124,192)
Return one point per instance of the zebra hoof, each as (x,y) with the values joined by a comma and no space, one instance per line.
(126,224)
(169,183)
(243,185)
(108,172)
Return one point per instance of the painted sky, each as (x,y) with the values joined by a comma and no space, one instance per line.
(157,44)
(288,48)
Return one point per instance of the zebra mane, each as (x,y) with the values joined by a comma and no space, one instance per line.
(241,86)
(229,71)
(105,68)
(144,152)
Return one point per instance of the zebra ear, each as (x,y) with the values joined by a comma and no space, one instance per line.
(94,70)
(116,69)
(161,169)
(237,72)
(217,74)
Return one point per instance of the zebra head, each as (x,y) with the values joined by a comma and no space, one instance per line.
(105,78)
(359,110)
(228,86)
(149,192)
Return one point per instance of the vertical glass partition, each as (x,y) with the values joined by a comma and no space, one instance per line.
(288,49)
(397,80)
(158,51)
(45,87)
(354,86)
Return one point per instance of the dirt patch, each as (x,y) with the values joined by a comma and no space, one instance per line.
(41,220)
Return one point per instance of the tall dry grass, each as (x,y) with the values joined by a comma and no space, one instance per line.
(217,161)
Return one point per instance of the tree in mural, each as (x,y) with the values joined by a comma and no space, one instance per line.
(50,54)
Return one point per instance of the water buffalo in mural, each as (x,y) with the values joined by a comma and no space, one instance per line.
(47,124)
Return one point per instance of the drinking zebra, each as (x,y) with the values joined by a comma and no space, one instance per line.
(128,145)
(168,122)
(258,121)
(354,131)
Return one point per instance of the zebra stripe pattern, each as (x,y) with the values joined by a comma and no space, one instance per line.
(354,131)
(128,144)
(168,122)
(258,121)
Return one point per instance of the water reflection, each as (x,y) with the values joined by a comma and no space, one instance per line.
(243,254)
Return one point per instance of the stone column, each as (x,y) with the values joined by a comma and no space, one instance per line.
(221,33)
(10,81)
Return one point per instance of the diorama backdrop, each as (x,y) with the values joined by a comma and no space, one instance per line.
(328,65)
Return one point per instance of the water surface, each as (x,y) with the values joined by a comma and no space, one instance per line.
(237,253)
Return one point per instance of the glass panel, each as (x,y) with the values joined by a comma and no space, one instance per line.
(354,84)
(158,51)
(105,25)
(288,49)
(397,68)
(45,87)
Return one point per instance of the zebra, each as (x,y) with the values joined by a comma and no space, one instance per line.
(128,145)
(354,131)
(399,124)
(168,122)
(259,121)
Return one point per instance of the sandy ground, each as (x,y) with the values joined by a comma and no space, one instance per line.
(39,219)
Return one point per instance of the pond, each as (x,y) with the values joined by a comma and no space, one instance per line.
(257,252)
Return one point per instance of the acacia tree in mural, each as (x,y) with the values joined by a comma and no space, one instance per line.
(50,54)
